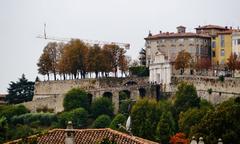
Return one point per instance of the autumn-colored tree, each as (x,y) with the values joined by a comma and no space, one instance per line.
(94,60)
(48,60)
(179,138)
(203,64)
(232,63)
(182,61)
(107,60)
(123,61)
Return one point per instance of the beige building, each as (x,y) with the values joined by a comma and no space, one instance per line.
(170,44)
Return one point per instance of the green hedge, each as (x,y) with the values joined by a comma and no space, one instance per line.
(102,121)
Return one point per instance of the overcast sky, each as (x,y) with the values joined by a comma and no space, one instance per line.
(109,20)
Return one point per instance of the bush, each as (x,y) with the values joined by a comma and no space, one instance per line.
(102,106)
(43,119)
(11,110)
(139,71)
(145,116)
(76,98)
(124,107)
(118,119)
(186,97)
(78,117)
(102,121)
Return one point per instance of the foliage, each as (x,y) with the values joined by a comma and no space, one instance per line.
(45,109)
(20,91)
(102,105)
(166,127)
(48,60)
(118,119)
(108,141)
(183,60)
(179,138)
(3,128)
(223,122)
(232,62)
(76,98)
(102,121)
(124,107)
(43,119)
(142,57)
(190,118)
(145,116)
(203,64)
(12,110)
(186,97)
(209,91)
(221,78)
(139,71)
(21,131)
(78,117)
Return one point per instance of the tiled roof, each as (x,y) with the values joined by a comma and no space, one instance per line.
(88,136)
(211,27)
(176,35)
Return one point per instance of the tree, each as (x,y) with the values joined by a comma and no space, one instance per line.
(3,128)
(140,71)
(48,60)
(182,61)
(20,91)
(94,60)
(76,98)
(122,62)
(186,97)
(221,122)
(78,116)
(190,118)
(12,110)
(118,119)
(102,121)
(142,57)
(102,106)
(165,127)
(179,138)
(232,63)
(203,64)
(145,116)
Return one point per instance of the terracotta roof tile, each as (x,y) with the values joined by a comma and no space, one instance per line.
(87,136)
(174,35)
(211,27)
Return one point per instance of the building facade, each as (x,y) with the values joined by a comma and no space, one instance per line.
(236,42)
(163,48)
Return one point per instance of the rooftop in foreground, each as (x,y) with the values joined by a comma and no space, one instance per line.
(85,136)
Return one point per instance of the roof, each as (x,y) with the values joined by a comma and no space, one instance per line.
(211,27)
(177,35)
(87,136)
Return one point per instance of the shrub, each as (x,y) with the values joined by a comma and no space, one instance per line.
(78,116)
(102,121)
(44,119)
(102,106)
(118,119)
(145,116)
(11,110)
(139,71)
(76,98)
(124,107)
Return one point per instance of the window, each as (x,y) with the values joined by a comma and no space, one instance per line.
(238,41)
(213,44)
(213,54)
(222,52)
(222,40)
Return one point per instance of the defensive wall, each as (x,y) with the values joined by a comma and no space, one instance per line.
(51,93)
(221,90)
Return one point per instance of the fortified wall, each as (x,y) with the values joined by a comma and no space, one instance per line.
(221,90)
(50,94)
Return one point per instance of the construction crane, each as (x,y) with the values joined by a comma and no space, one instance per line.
(90,42)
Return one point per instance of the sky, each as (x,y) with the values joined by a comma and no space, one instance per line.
(127,21)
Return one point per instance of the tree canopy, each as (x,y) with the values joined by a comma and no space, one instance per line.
(20,91)
(183,60)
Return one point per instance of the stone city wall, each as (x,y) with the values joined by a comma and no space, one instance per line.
(221,90)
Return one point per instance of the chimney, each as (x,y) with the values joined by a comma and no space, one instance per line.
(69,134)
(181,29)
(149,34)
